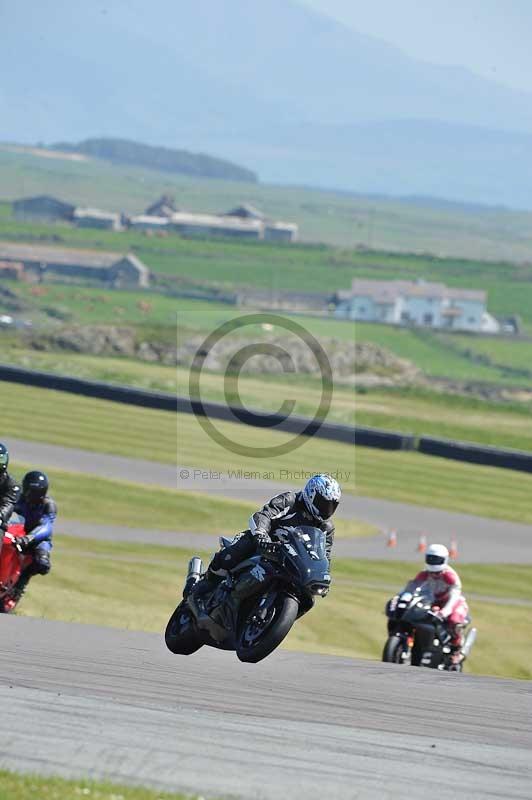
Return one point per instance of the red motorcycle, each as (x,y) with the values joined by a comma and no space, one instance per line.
(12,562)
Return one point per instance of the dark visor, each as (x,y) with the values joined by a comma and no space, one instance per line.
(435,560)
(33,493)
(325,507)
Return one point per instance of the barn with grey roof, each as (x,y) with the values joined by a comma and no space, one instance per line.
(40,261)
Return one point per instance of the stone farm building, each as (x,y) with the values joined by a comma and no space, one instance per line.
(245,211)
(243,222)
(112,269)
(42,207)
(95,218)
(432,305)
(12,269)
(164,207)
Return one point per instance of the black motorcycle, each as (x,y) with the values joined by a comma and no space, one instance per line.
(254,607)
(417,636)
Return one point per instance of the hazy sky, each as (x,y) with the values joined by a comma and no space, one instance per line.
(491,37)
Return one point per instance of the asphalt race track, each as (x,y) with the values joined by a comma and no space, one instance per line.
(479,539)
(107,703)
(116,704)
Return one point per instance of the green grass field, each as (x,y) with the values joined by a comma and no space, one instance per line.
(261,391)
(416,411)
(136,506)
(275,268)
(332,217)
(23,787)
(439,355)
(47,416)
(157,317)
(409,410)
(446,415)
(510,355)
(137,588)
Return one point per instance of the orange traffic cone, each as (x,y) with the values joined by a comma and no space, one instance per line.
(453,549)
(422,544)
(392,539)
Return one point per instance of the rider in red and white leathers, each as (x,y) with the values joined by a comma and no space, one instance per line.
(444,583)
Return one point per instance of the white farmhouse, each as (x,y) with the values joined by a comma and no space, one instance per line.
(432,305)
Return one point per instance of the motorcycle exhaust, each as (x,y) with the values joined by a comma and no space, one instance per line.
(195,568)
(194,573)
(469,642)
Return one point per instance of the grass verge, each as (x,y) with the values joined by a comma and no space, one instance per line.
(58,418)
(136,506)
(135,587)
(21,787)
(264,392)
(468,419)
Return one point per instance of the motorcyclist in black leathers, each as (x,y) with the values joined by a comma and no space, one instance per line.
(9,490)
(314,505)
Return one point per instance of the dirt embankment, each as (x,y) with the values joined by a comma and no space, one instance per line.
(358,363)
(363,365)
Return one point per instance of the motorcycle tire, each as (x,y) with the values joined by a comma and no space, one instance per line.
(180,635)
(393,650)
(417,653)
(256,642)
(8,604)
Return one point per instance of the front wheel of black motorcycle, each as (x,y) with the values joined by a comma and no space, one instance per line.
(260,634)
(394,649)
(181,636)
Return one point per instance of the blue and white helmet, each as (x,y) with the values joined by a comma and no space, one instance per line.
(321,496)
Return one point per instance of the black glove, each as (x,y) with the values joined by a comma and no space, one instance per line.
(265,544)
(23,543)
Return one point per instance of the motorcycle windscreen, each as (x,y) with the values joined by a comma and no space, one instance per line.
(419,611)
(306,547)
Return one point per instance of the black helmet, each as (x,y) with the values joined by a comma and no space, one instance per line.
(4,458)
(34,486)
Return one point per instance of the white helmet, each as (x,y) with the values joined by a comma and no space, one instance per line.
(321,496)
(436,557)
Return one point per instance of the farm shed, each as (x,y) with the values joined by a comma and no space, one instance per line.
(92,265)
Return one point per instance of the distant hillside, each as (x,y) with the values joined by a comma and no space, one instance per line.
(342,219)
(273,86)
(164,159)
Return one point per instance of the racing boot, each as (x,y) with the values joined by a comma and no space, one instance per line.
(456,656)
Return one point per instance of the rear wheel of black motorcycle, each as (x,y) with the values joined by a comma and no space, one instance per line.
(180,635)
(393,650)
(257,639)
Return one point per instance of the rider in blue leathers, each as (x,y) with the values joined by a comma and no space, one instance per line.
(39,512)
